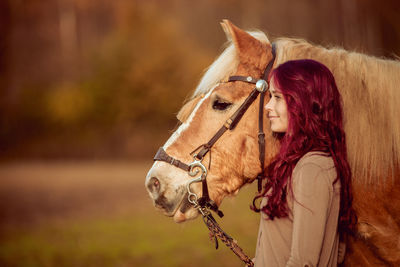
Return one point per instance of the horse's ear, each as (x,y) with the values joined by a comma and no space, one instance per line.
(249,48)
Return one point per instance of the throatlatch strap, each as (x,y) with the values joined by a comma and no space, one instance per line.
(261,134)
(261,141)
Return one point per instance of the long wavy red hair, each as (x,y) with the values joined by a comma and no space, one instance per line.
(315,123)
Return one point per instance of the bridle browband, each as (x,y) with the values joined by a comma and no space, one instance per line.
(204,203)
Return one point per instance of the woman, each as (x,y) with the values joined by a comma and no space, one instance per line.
(306,201)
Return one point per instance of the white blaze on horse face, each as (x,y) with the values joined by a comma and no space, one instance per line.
(186,124)
(172,180)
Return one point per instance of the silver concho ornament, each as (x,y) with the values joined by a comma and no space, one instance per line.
(261,85)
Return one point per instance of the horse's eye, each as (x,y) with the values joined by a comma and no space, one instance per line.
(220,105)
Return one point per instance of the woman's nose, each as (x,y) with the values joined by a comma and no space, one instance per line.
(268,106)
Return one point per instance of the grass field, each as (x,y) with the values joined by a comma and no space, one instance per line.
(99,214)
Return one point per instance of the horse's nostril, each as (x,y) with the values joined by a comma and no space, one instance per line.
(153,185)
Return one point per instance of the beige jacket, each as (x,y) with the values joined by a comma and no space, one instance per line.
(308,236)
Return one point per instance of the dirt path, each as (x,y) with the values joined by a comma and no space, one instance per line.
(31,192)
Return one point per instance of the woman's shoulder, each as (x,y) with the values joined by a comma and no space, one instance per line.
(317,158)
(315,164)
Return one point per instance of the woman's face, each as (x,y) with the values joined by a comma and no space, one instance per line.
(277,110)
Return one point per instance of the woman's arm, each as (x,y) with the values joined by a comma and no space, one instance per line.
(313,192)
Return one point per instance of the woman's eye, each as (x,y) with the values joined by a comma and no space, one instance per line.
(220,105)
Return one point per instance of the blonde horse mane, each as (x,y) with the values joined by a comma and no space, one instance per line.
(370,89)
(370,92)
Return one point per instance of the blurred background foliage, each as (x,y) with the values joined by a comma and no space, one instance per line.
(103,79)
(104,82)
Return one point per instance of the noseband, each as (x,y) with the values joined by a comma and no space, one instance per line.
(204,203)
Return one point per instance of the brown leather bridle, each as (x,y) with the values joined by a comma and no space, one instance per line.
(204,204)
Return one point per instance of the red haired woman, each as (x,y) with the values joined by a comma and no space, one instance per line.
(306,201)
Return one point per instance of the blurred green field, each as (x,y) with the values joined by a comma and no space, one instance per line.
(98,214)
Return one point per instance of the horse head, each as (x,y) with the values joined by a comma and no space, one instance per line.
(234,159)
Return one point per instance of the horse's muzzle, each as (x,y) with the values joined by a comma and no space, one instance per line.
(166,196)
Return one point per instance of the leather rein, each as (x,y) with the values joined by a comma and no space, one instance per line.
(204,204)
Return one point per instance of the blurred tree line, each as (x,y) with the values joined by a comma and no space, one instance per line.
(87,79)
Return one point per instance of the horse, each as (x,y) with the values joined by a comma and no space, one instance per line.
(370,89)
